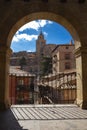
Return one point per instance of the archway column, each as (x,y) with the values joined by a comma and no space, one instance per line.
(5,53)
(81,67)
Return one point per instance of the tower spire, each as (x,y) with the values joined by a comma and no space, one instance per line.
(40,27)
(71,42)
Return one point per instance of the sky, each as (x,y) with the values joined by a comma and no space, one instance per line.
(25,38)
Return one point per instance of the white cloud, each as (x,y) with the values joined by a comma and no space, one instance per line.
(15,39)
(45,33)
(35,25)
(49,22)
(31,25)
(42,23)
(27,37)
(29,50)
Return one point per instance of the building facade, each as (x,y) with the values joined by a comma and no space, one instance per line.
(33,59)
(63,58)
(43,50)
(22,88)
(30,59)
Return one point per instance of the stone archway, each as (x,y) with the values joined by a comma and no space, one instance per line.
(50,16)
(70,18)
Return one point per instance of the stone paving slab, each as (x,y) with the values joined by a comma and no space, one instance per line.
(48,112)
(54,124)
(50,117)
(45,117)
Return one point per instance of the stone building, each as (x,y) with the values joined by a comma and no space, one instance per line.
(30,59)
(33,59)
(63,58)
(42,50)
(22,89)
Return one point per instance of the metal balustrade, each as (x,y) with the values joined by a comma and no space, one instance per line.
(43,89)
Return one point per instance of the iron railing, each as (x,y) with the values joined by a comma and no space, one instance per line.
(58,88)
(47,89)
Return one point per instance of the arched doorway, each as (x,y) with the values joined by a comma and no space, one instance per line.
(54,17)
(46,15)
(49,16)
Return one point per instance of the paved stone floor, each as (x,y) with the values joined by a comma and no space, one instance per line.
(54,125)
(48,112)
(43,117)
(51,117)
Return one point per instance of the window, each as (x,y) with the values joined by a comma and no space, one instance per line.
(54,68)
(67,56)
(67,65)
(30,95)
(67,47)
(55,59)
(21,82)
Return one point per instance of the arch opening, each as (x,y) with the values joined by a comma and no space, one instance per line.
(48,16)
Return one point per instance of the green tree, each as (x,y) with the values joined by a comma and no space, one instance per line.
(46,65)
(22,62)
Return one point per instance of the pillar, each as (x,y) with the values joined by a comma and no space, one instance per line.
(5,53)
(81,68)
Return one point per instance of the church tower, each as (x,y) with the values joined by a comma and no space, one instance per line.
(40,44)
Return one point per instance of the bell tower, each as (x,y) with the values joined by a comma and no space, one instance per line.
(40,44)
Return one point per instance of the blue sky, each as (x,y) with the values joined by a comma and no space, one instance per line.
(25,38)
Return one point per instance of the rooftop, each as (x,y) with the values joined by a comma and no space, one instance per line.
(15,70)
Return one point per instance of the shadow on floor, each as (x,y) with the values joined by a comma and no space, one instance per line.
(8,121)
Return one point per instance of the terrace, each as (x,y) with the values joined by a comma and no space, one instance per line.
(59,114)
(43,117)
